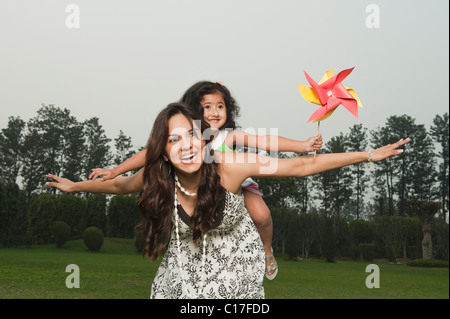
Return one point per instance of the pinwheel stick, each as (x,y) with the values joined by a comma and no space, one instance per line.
(318,129)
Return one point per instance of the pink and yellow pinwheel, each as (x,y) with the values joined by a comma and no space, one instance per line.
(329,93)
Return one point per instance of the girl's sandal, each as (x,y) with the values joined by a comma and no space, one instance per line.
(273,266)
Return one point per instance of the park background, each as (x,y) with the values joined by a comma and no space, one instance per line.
(74,97)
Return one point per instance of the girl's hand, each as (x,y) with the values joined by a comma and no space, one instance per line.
(104,172)
(314,144)
(388,151)
(60,183)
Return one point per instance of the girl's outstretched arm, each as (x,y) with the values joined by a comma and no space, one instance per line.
(273,142)
(134,162)
(119,186)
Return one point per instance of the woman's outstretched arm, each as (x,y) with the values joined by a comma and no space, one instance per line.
(119,186)
(237,167)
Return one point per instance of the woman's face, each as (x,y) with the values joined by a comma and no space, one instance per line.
(214,110)
(184,144)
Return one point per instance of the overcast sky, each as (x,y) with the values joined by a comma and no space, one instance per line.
(129,59)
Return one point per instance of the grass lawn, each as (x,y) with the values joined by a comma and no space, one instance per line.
(118,271)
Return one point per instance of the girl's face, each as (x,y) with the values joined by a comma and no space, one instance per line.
(214,110)
(184,145)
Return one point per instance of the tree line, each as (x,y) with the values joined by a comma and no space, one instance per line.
(55,141)
(368,190)
(391,196)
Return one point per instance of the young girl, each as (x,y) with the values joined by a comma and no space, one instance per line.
(213,249)
(219,109)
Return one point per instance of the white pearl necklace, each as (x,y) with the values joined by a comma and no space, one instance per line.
(180,266)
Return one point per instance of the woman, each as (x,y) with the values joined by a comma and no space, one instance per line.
(219,110)
(191,200)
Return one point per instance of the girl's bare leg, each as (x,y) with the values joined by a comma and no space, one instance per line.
(260,214)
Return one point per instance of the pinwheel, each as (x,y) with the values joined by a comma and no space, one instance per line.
(329,93)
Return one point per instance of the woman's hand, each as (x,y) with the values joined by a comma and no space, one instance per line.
(60,183)
(387,151)
(118,186)
(104,172)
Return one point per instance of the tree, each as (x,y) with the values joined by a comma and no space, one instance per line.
(61,141)
(384,172)
(11,139)
(393,230)
(440,133)
(309,231)
(334,185)
(96,149)
(73,151)
(279,192)
(356,141)
(123,147)
(327,239)
(426,212)
(13,215)
(322,183)
(302,194)
(402,177)
(362,231)
(422,172)
(441,235)
(293,242)
(281,217)
(33,169)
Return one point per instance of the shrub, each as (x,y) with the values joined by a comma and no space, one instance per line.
(367,251)
(293,240)
(390,254)
(362,231)
(123,215)
(41,217)
(61,233)
(428,263)
(13,216)
(93,238)
(72,209)
(139,241)
(328,241)
(96,211)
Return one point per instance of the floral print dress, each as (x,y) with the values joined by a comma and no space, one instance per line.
(234,264)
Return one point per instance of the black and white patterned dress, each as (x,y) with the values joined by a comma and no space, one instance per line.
(234,265)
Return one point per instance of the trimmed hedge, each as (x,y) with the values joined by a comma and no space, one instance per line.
(428,263)
(61,233)
(93,238)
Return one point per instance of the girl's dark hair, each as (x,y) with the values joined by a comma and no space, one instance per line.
(194,95)
(157,198)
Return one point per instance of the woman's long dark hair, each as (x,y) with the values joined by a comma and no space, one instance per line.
(194,95)
(157,199)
